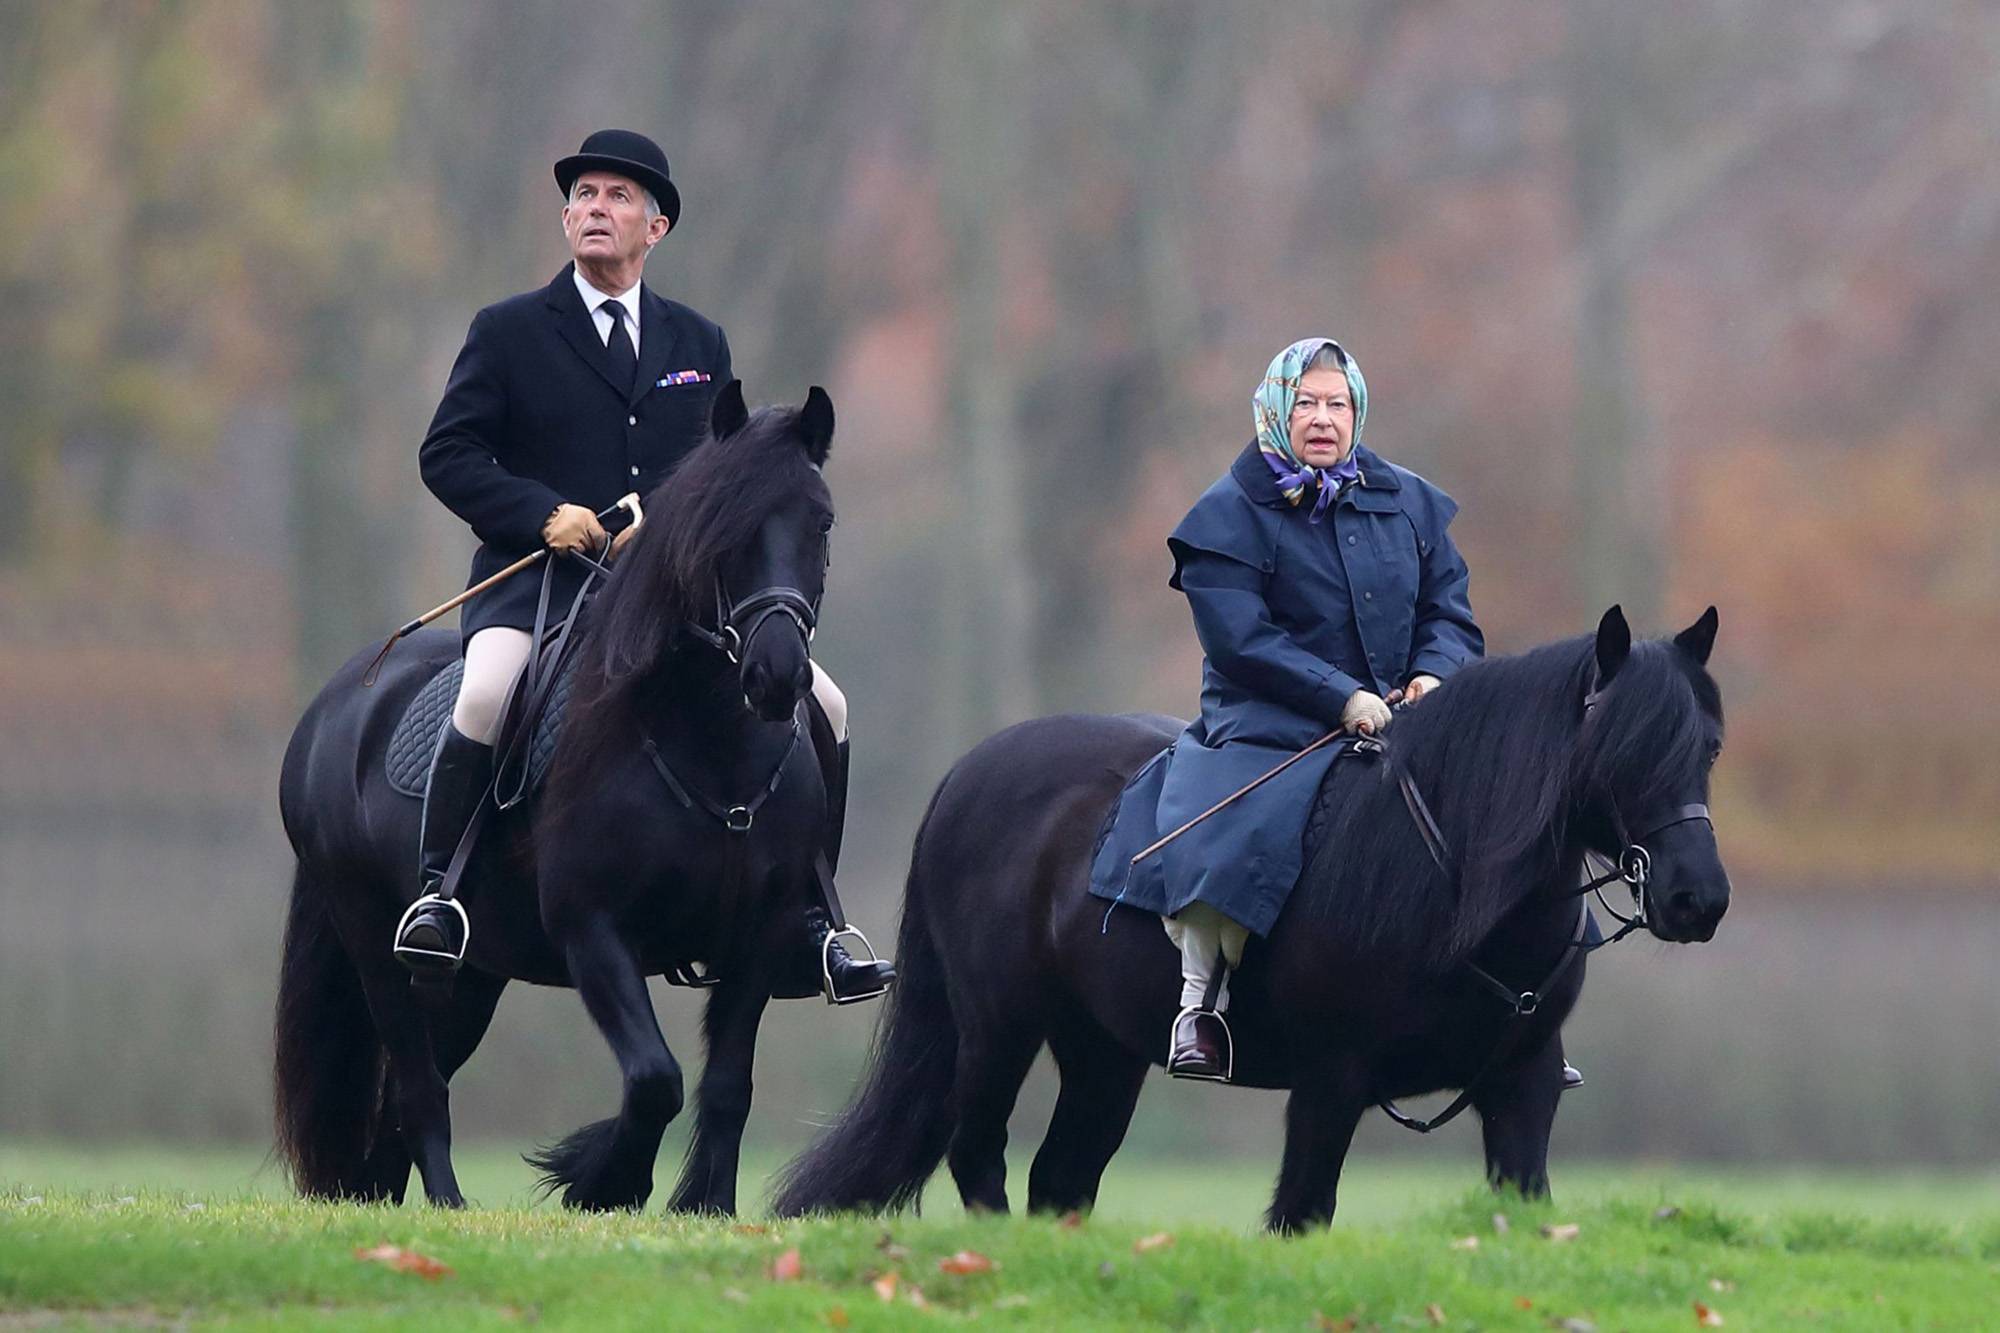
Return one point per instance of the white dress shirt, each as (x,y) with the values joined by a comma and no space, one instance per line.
(593,301)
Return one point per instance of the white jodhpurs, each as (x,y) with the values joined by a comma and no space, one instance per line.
(831,701)
(1201,933)
(494,658)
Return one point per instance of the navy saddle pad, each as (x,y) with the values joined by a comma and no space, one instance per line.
(416,736)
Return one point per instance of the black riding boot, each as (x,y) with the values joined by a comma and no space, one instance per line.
(431,939)
(836,973)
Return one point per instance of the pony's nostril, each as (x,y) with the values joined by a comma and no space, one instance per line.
(1682,904)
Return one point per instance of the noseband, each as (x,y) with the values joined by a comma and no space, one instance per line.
(736,624)
(1635,864)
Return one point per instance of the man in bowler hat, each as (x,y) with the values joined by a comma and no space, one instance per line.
(561,401)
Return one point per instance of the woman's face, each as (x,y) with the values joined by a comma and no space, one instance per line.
(1323,418)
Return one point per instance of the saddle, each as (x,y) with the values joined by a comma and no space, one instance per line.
(415,740)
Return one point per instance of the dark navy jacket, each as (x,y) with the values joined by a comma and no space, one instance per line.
(1293,617)
(531,418)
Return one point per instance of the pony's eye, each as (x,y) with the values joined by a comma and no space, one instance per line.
(825,526)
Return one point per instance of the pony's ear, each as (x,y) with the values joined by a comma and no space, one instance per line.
(1698,639)
(1614,645)
(816,421)
(727,414)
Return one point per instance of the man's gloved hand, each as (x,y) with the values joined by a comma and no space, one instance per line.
(572,528)
(1365,713)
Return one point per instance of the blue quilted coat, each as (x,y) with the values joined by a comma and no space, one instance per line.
(1293,617)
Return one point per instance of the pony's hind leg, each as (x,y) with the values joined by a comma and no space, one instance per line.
(609,1164)
(1320,1117)
(722,1099)
(992,1064)
(456,1031)
(1101,1081)
(421,1101)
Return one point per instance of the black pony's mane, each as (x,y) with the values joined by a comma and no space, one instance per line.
(1503,760)
(709,507)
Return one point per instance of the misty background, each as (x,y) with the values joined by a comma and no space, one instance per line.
(1684,304)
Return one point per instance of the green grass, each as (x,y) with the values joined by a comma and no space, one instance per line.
(144,1236)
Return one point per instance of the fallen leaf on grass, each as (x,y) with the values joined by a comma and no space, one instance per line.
(1500,1224)
(1466,1243)
(837,1316)
(1706,1317)
(1522,1302)
(736,1294)
(1071,1220)
(1720,1284)
(1106,1271)
(788,1266)
(1575,1324)
(1159,1240)
(1562,1231)
(1666,1214)
(885,1286)
(1325,1325)
(750,1229)
(1435,1313)
(403,1261)
(966,1261)
(1014,1302)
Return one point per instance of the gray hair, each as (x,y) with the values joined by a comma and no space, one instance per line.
(652,204)
(1330,356)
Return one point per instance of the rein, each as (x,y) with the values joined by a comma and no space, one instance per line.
(1634,865)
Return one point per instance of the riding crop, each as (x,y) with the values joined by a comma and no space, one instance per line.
(627,504)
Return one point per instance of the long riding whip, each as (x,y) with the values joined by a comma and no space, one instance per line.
(628,504)
(1238,794)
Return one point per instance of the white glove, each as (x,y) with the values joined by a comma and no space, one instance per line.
(1366,713)
(1418,687)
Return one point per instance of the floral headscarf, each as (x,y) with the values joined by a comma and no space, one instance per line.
(1271,406)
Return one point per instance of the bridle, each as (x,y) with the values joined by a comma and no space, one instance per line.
(1633,865)
(736,623)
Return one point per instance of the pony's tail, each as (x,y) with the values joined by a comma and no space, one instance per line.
(877,1155)
(328,1070)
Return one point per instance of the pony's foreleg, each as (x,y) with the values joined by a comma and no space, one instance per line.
(722,1099)
(609,1164)
(1517,1112)
(1326,1104)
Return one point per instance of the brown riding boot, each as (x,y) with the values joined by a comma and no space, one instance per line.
(1202,1048)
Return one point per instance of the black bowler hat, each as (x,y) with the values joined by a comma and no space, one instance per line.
(628,153)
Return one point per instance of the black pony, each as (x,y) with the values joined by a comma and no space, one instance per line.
(609,878)
(1365,988)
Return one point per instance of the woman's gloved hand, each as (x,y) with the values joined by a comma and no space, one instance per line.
(572,528)
(1365,714)
(1418,687)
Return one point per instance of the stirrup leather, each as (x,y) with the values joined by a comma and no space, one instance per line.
(826,966)
(1228,1048)
(433,958)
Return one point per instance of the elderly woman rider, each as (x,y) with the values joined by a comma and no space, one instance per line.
(1324,588)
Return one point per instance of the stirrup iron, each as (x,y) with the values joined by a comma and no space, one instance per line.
(826,966)
(428,961)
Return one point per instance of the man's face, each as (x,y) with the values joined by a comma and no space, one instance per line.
(605,220)
(1323,418)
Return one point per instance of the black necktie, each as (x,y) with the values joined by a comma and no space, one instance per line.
(624,361)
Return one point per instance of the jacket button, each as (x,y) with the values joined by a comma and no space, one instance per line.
(631,421)
(1350,539)
(635,471)
(1367,596)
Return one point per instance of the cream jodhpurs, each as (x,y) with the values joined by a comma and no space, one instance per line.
(494,658)
(1201,933)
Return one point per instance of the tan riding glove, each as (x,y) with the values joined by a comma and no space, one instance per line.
(1365,712)
(572,528)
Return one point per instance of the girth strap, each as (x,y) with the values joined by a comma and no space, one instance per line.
(735,818)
